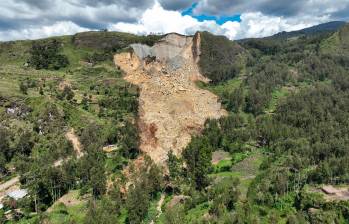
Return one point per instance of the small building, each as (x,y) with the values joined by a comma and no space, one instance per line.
(18,194)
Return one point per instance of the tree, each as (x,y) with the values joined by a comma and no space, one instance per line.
(45,55)
(91,136)
(25,144)
(92,171)
(98,180)
(213,133)
(101,212)
(5,150)
(174,167)
(3,169)
(85,103)
(197,156)
(23,87)
(175,214)
(147,182)
(67,93)
(224,195)
(41,91)
(128,139)
(236,100)
(116,197)
(137,202)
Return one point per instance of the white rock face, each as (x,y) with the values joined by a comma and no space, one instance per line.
(168,50)
(142,50)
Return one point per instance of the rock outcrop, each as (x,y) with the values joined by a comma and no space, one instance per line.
(172,107)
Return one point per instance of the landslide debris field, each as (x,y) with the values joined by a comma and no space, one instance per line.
(171,107)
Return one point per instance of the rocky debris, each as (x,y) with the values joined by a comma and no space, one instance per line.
(172,107)
(167,51)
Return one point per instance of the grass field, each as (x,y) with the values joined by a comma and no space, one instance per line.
(277,95)
(246,170)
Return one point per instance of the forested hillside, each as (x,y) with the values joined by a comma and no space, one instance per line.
(68,130)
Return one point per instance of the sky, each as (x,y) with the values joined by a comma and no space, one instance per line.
(236,19)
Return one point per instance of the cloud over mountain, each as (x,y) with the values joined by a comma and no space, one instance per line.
(22,19)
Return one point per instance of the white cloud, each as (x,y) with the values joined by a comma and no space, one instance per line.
(253,24)
(68,17)
(56,29)
(158,20)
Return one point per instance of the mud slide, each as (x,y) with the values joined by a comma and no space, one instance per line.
(171,107)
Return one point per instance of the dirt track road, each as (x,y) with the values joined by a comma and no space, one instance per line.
(8,186)
(71,136)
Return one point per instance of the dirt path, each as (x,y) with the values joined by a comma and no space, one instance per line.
(159,207)
(74,139)
(171,107)
(9,186)
(332,193)
(9,183)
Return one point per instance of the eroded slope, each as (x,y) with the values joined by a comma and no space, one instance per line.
(172,107)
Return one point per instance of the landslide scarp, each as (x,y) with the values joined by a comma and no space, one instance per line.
(172,107)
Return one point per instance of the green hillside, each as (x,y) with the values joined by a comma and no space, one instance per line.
(338,43)
(220,58)
(270,160)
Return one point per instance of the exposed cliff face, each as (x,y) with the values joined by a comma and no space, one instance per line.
(172,108)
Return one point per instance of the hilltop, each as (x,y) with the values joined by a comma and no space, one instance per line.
(321,28)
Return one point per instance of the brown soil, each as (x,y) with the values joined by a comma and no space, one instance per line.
(219,155)
(172,107)
(332,193)
(64,84)
(74,139)
(71,136)
(177,199)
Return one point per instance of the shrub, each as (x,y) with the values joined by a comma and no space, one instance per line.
(45,55)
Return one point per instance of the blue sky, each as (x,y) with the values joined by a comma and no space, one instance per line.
(202,17)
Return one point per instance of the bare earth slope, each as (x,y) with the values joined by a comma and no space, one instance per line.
(172,107)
